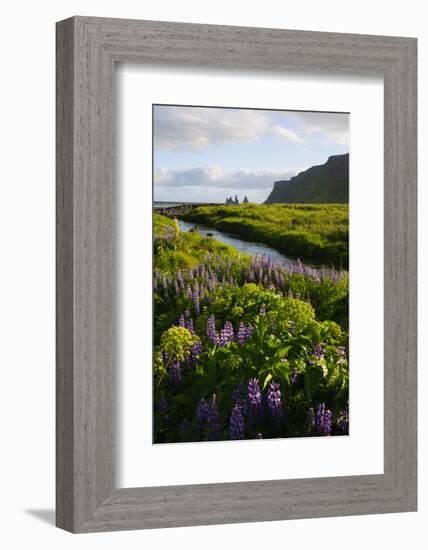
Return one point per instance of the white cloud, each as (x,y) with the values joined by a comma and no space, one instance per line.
(214,176)
(333,127)
(286,133)
(197,128)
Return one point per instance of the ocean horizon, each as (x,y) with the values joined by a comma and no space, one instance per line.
(166,204)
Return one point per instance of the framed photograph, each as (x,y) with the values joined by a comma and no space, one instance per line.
(236,274)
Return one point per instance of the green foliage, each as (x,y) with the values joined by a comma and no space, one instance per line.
(298,337)
(177,342)
(183,250)
(312,232)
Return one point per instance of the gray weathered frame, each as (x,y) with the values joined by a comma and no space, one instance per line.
(87,50)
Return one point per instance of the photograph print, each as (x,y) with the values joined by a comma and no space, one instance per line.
(250,274)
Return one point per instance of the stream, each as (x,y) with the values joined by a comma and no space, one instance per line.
(248,247)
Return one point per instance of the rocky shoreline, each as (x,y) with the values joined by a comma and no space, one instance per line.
(179,210)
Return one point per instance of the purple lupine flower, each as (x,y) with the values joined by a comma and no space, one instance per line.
(180,279)
(189,325)
(319,418)
(211,330)
(327,422)
(196,301)
(341,351)
(274,401)
(262,311)
(343,421)
(186,313)
(236,423)
(226,333)
(323,419)
(181,321)
(242,334)
(319,351)
(202,411)
(249,331)
(209,418)
(254,399)
(176,287)
(165,287)
(196,351)
(189,292)
(174,370)
(310,419)
(238,395)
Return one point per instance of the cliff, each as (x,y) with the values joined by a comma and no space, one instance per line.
(326,183)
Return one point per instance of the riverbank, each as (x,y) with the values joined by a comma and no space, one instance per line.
(228,325)
(317,234)
(179,210)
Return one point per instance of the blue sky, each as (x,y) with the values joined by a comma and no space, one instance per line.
(205,154)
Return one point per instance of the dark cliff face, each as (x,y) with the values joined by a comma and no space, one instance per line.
(327,183)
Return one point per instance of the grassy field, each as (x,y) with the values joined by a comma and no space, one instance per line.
(175,250)
(244,347)
(317,232)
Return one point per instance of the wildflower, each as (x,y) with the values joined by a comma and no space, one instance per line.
(275,402)
(242,334)
(323,420)
(343,421)
(211,330)
(236,423)
(327,422)
(254,399)
(202,411)
(319,351)
(174,370)
(176,287)
(181,321)
(226,333)
(209,418)
(196,301)
(189,325)
(196,351)
(165,287)
(341,351)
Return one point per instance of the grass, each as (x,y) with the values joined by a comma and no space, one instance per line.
(316,232)
(175,250)
(244,347)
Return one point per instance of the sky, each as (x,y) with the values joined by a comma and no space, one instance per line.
(206,154)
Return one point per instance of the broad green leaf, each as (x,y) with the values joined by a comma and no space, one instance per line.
(313,377)
(267,380)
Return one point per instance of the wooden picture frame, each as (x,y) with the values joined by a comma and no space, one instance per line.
(87,50)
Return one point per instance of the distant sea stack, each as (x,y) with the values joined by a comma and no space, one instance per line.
(327,183)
